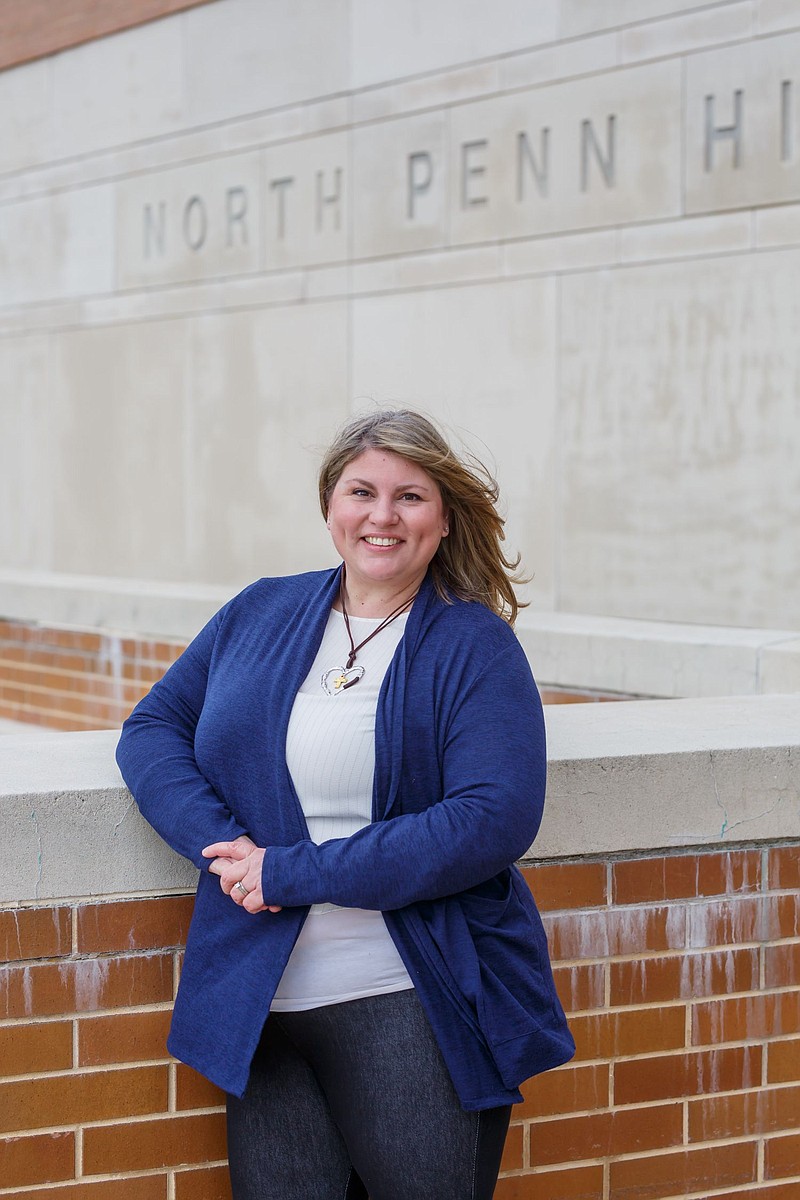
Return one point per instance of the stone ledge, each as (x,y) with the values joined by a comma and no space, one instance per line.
(650,775)
(658,658)
(128,606)
(627,777)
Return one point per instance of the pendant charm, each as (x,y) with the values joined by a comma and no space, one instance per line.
(339,679)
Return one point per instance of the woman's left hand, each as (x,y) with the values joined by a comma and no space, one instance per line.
(240,862)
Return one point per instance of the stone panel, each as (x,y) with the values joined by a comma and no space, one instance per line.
(590,152)
(57,247)
(778,226)
(481,359)
(691,237)
(690,31)
(194,222)
(560,61)
(391,40)
(584,16)
(400,186)
(118,478)
(119,89)
(306,201)
(681,484)
(267,389)
(777,14)
(244,56)
(780,667)
(24,117)
(26,453)
(742,124)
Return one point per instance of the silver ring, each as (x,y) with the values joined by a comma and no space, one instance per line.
(245,891)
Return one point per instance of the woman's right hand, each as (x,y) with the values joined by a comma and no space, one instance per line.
(232,862)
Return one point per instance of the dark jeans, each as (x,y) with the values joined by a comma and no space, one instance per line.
(354,1100)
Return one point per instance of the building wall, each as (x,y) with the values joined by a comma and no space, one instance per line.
(681,973)
(570,229)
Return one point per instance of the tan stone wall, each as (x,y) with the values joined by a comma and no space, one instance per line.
(569,228)
(681,974)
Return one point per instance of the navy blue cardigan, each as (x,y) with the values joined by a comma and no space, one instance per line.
(458,796)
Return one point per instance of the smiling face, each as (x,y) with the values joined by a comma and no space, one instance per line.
(386,519)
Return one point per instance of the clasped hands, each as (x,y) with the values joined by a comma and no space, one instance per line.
(240,861)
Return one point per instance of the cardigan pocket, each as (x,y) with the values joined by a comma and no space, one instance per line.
(507,974)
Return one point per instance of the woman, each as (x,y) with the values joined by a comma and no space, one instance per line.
(354,759)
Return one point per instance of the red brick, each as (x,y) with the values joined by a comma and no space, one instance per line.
(45,1158)
(700,1073)
(606,1134)
(745,1018)
(782,965)
(513,1149)
(69,704)
(575,1183)
(639,1031)
(567,1089)
(204,1183)
(146,1187)
(27,933)
(194,1091)
(48,658)
(134,924)
(615,932)
(749,919)
(784,867)
(675,877)
(25,1049)
(582,986)
(567,885)
(783,1061)
(68,1099)
(774,1191)
(148,1145)
(85,985)
(762,1111)
(788,915)
(52,719)
(36,680)
(581,696)
(782,1156)
(124,1037)
(683,976)
(684,1172)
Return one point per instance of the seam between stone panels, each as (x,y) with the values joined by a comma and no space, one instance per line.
(182,314)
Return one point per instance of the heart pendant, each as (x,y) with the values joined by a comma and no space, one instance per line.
(338,679)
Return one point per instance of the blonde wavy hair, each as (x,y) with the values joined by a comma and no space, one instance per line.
(470,563)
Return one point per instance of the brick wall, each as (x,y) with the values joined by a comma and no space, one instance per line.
(76,679)
(30,29)
(682,975)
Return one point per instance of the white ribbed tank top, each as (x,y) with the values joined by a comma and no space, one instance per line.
(341,953)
